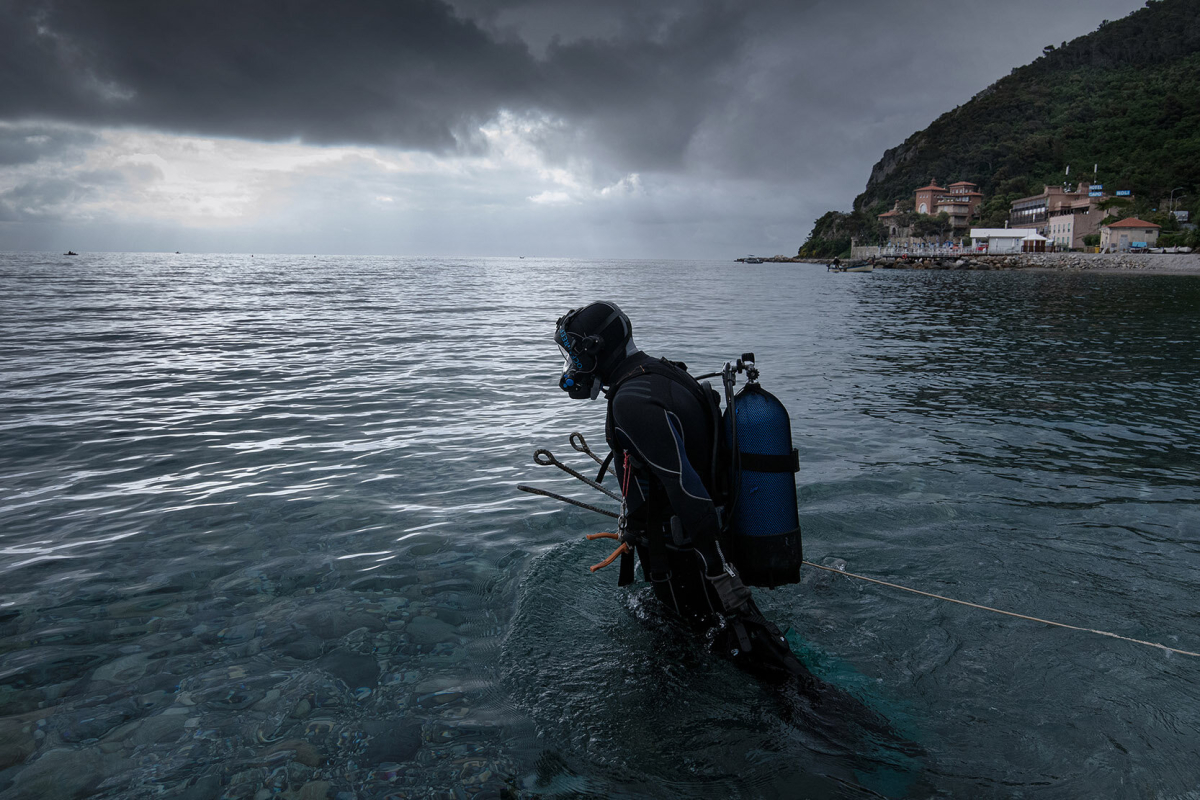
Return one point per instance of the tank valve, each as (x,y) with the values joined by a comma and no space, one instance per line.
(746,364)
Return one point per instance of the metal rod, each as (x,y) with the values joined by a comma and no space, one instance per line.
(553,496)
(581,446)
(545,458)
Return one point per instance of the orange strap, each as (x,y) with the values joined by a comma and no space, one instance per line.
(624,547)
(615,554)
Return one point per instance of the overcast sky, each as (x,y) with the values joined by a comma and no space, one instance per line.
(591,128)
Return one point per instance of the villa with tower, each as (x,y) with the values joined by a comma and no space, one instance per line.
(960,201)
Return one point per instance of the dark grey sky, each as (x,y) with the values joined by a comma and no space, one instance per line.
(475,126)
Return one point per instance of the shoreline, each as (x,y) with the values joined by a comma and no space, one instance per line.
(1124,263)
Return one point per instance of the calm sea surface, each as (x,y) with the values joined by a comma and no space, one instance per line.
(259,534)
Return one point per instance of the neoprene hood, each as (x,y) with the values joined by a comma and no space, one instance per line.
(593,340)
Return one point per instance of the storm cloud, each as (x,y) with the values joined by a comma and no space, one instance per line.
(662,124)
(417,74)
(22,144)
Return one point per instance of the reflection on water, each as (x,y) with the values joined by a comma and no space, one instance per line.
(258,533)
(1065,368)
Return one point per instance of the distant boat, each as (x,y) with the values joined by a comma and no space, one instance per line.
(862,266)
(70,253)
(753,260)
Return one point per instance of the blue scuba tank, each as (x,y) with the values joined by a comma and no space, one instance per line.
(764,522)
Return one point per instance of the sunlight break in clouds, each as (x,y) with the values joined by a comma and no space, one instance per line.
(142,176)
(549,198)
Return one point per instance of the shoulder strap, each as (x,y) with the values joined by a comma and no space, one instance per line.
(677,371)
(604,466)
(674,370)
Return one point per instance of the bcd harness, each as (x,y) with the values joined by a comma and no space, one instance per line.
(657,563)
(731,471)
(762,540)
(652,537)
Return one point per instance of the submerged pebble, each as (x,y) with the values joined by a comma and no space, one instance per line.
(18,738)
(65,774)
(301,709)
(353,669)
(314,790)
(391,740)
(427,630)
(301,752)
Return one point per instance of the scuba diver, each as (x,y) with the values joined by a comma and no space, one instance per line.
(664,429)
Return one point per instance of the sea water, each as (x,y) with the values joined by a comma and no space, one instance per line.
(260,533)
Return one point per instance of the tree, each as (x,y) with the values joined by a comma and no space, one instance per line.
(833,232)
(996,210)
(1119,203)
(1126,97)
(927,225)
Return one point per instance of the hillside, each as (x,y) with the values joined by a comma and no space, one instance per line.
(1125,97)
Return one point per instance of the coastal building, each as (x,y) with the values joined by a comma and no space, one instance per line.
(925,197)
(893,223)
(1128,233)
(1060,229)
(1034,243)
(959,200)
(1007,240)
(1061,215)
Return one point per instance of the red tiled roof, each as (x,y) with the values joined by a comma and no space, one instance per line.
(1132,222)
(932,186)
(892,213)
(962,183)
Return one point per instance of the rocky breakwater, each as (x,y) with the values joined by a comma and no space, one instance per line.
(1077,262)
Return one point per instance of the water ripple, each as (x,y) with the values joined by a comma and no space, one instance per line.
(259,529)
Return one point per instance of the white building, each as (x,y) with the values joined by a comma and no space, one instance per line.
(1034,243)
(1003,240)
(1061,230)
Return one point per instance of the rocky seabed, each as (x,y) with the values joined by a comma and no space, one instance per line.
(355,692)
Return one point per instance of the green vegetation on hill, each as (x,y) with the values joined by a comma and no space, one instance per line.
(1125,97)
(831,234)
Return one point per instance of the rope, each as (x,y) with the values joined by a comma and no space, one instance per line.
(1000,611)
(553,496)
(580,444)
(544,458)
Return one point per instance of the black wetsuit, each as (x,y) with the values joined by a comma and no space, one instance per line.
(660,418)
(664,422)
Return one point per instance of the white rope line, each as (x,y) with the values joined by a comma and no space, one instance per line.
(1000,611)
